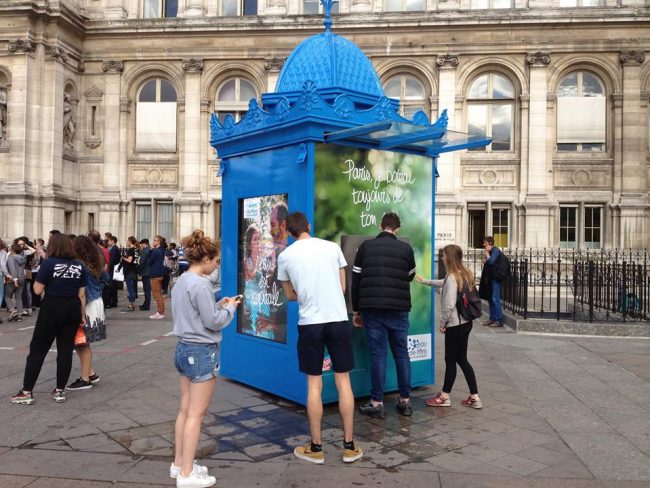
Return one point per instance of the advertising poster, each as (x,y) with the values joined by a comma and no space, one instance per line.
(262,237)
(355,188)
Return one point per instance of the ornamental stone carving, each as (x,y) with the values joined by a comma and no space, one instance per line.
(24,45)
(81,66)
(540,58)
(273,64)
(3,118)
(448,61)
(56,53)
(112,66)
(192,65)
(630,57)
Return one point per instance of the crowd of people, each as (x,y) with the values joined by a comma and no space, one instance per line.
(74,278)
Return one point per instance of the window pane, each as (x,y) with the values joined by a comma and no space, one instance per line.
(477,119)
(569,86)
(413,88)
(227,92)
(165,220)
(171,8)
(479,88)
(411,110)
(167,91)
(155,127)
(392,5)
(246,91)
(392,88)
(414,5)
(229,8)
(590,86)
(568,3)
(500,227)
(335,7)
(501,4)
(151,9)
(501,127)
(250,7)
(148,92)
(479,4)
(591,3)
(310,7)
(501,87)
(143,221)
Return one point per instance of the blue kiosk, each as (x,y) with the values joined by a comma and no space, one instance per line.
(330,144)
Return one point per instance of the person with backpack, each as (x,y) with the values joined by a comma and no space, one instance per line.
(456,326)
(496,269)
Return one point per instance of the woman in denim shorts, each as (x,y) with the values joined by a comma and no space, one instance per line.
(198,321)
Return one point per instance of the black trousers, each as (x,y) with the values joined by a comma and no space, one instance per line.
(456,339)
(58,318)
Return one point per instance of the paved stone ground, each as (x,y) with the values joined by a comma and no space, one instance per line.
(564,411)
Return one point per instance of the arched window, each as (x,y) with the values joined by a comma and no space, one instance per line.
(232,98)
(581,113)
(156,117)
(410,93)
(490,110)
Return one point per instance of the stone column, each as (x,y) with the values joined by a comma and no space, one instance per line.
(448,221)
(634,187)
(190,164)
(538,204)
(108,215)
(273,66)
(194,8)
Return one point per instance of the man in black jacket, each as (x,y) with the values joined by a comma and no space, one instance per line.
(381,301)
(115,256)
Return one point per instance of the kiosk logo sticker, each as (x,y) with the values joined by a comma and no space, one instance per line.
(419,347)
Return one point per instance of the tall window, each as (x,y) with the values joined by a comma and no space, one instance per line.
(160,8)
(143,221)
(593,227)
(405,5)
(490,110)
(233,8)
(500,227)
(165,219)
(233,97)
(409,91)
(581,106)
(568,226)
(156,117)
(485,4)
(314,7)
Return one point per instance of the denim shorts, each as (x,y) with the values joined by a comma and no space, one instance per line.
(198,362)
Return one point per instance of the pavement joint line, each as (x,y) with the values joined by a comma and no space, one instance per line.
(168,334)
(150,341)
(27,328)
(7,348)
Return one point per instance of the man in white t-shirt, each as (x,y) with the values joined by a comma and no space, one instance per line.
(312,271)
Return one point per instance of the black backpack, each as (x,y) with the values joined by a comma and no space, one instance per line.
(501,268)
(468,304)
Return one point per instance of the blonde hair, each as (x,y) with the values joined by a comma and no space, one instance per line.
(455,267)
(197,246)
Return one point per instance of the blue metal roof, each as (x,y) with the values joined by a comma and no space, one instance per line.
(329,61)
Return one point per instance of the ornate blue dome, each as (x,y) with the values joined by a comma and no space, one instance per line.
(329,61)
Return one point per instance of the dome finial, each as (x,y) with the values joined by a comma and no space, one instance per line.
(327,6)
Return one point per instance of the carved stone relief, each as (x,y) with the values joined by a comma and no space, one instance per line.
(69,122)
(500,177)
(581,178)
(141,175)
(3,118)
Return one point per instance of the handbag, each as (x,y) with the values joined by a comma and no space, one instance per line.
(118,274)
(80,338)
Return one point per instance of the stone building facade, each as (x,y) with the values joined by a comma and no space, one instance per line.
(105,104)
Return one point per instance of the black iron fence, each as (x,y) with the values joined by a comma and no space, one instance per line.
(574,284)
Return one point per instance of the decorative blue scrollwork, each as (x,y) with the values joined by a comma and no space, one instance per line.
(344,107)
(442,121)
(384,109)
(222,167)
(302,154)
(229,125)
(420,118)
(282,110)
(309,97)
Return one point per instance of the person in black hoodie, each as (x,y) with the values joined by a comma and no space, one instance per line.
(381,301)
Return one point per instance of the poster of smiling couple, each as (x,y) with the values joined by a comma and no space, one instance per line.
(262,237)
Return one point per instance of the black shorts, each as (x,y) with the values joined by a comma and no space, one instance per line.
(312,340)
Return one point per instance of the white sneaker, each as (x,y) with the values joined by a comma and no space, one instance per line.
(156,316)
(174,470)
(195,480)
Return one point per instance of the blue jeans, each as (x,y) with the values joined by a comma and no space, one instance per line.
(392,327)
(131,284)
(198,362)
(496,312)
(2,289)
(146,288)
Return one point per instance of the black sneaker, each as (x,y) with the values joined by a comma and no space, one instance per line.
(79,384)
(378,412)
(94,378)
(404,408)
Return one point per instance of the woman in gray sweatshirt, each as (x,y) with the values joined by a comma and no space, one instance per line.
(198,321)
(15,282)
(455,329)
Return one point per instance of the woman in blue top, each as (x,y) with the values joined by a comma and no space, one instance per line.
(95,327)
(157,272)
(62,278)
